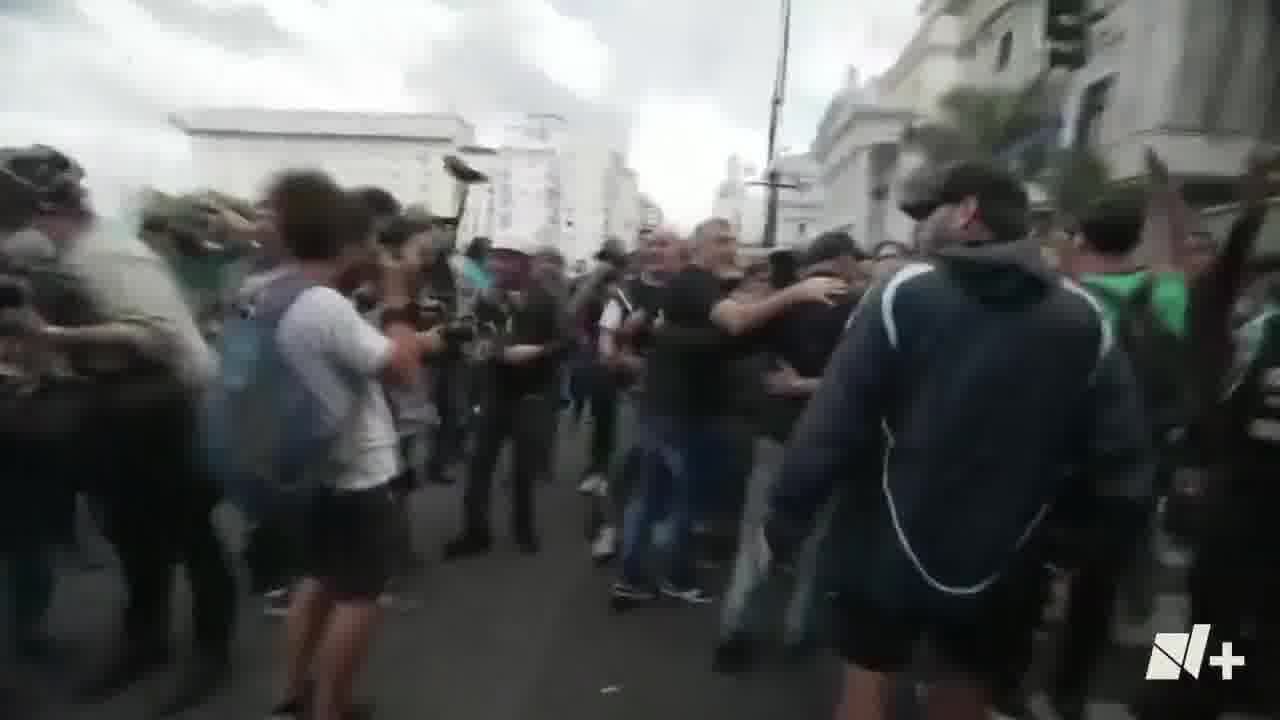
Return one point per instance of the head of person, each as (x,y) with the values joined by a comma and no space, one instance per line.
(42,191)
(381,205)
(320,224)
(714,246)
(974,204)
(1111,227)
(834,253)
(510,266)
(663,252)
(478,249)
(548,263)
(1201,252)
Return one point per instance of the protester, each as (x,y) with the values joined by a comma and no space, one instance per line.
(686,398)
(522,402)
(963,387)
(151,364)
(342,361)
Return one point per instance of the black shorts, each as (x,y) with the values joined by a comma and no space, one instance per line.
(981,641)
(348,544)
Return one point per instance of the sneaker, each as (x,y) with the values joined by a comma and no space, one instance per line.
(624,595)
(276,602)
(605,546)
(591,484)
(692,595)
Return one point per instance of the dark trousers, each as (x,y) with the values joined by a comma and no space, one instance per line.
(452,396)
(1117,528)
(157,498)
(603,399)
(529,422)
(1235,587)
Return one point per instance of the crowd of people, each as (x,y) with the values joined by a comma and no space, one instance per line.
(921,440)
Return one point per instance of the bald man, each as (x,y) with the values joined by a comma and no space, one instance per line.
(624,341)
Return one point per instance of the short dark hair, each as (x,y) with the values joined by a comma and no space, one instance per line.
(400,229)
(379,202)
(313,214)
(1002,201)
(830,246)
(1112,224)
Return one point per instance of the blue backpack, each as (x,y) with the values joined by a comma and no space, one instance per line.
(268,437)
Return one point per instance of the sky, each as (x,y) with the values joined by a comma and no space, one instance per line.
(690,78)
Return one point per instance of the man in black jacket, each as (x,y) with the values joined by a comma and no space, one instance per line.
(521,405)
(963,391)
(795,347)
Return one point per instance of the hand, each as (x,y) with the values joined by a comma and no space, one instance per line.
(432,341)
(520,354)
(784,381)
(635,322)
(817,289)
(1257,175)
(1156,168)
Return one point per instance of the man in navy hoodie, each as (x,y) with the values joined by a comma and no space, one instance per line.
(970,392)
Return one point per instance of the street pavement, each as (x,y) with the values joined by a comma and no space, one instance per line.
(501,637)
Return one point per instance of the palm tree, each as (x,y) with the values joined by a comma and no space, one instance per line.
(1016,128)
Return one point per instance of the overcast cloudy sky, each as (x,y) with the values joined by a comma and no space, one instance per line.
(693,77)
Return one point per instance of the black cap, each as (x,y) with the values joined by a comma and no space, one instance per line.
(1003,205)
(830,246)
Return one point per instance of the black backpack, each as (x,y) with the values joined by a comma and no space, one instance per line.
(1159,358)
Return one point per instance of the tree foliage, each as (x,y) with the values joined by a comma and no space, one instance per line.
(1018,129)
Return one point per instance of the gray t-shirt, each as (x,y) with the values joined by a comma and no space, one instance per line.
(338,355)
(130,283)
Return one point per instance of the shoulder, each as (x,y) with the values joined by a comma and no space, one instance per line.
(318,307)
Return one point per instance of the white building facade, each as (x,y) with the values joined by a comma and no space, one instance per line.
(800,200)
(527,198)
(1196,82)
(859,157)
(237,151)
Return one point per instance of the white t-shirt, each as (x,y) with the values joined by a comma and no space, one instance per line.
(338,355)
(611,316)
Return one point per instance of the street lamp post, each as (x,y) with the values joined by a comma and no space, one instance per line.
(770,238)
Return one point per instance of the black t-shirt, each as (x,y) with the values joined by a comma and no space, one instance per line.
(803,337)
(536,321)
(688,379)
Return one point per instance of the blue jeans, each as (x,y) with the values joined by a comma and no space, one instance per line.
(681,466)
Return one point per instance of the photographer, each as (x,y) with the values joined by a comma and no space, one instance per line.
(521,404)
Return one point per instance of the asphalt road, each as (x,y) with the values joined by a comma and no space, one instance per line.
(502,637)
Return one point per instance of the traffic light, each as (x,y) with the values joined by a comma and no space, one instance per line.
(1067,25)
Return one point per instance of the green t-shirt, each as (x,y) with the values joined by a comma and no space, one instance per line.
(1170,297)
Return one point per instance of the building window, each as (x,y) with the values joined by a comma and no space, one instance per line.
(1093,103)
(1004,50)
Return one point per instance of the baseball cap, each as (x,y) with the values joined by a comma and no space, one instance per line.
(1003,205)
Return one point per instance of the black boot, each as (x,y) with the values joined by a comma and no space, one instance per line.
(467,544)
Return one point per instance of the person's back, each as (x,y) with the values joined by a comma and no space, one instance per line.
(964,391)
(131,283)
